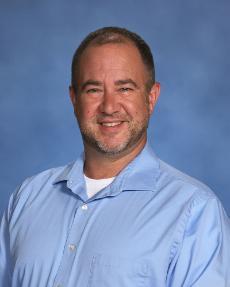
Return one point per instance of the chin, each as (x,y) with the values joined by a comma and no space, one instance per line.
(114,144)
(112,148)
(109,145)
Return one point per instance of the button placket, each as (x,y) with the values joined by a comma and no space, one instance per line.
(72,247)
(84,207)
(70,251)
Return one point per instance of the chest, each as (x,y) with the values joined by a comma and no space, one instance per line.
(124,240)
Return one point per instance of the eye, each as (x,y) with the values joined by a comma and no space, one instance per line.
(93,91)
(125,89)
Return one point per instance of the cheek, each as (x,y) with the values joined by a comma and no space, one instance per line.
(137,109)
(86,110)
(87,114)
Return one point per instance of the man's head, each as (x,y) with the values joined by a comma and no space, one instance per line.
(114,35)
(113,90)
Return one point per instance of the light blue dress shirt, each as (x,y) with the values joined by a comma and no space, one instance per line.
(152,227)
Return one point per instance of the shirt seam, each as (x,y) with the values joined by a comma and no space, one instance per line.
(197,198)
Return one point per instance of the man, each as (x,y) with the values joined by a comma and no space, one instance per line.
(118,216)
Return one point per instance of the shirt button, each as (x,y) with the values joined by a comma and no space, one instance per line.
(72,247)
(84,207)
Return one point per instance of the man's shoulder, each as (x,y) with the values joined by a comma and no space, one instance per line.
(159,176)
(182,184)
(179,175)
(41,182)
(50,175)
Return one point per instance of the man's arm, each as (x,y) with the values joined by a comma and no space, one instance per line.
(202,258)
(5,261)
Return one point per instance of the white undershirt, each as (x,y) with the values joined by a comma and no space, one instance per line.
(95,185)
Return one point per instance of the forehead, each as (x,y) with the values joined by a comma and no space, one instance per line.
(111,59)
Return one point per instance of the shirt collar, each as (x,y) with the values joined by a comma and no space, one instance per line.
(140,174)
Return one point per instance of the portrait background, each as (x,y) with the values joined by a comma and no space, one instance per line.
(190,40)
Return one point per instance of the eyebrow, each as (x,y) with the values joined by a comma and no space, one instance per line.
(126,81)
(90,83)
(117,83)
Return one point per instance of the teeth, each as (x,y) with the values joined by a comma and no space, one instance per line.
(111,124)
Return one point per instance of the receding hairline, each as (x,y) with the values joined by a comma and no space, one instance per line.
(110,38)
(121,42)
(124,41)
(116,35)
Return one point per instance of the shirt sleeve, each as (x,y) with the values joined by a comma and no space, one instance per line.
(202,256)
(5,261)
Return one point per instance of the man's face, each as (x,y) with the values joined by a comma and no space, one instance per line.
(112,105)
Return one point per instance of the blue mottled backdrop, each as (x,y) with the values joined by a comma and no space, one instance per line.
(190,128)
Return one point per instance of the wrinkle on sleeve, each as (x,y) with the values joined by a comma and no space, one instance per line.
(5,257)
(202,257)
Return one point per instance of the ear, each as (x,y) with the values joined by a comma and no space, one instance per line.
(72,95)
(153,96)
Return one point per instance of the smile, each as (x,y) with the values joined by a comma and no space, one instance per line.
(111,124)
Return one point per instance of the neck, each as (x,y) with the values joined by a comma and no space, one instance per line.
(99,165)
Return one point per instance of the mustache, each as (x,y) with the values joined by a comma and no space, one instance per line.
(112,117)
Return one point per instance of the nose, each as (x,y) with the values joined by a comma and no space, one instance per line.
(109,104)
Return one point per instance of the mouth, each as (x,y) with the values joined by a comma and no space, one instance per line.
(113,127)
(111,124)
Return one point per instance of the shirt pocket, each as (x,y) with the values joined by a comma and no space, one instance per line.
(110,271)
